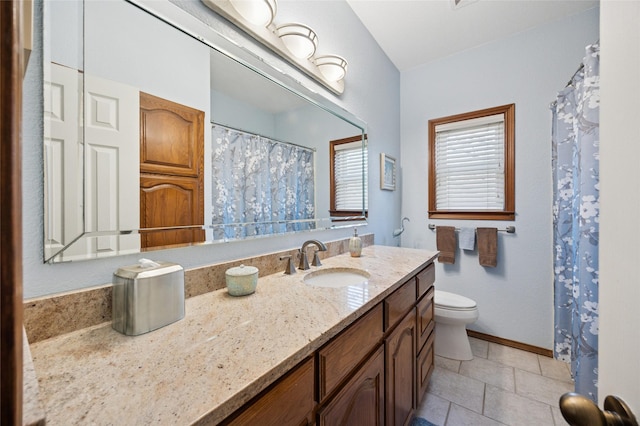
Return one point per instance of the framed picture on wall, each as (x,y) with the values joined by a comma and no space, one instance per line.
(387,172)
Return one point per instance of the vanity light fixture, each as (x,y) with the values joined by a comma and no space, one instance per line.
(333,67)
(257,12)
(294,42)
(301,40)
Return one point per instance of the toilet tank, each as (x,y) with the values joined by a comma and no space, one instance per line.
(147,296)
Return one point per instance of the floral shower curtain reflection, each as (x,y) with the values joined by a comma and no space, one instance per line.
(260,186)
(575,138)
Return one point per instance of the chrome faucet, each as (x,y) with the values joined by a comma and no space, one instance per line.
(304,263)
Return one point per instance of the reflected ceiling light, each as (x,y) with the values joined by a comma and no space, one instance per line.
(457,4)
(332,67)
(258,12)
(301,40)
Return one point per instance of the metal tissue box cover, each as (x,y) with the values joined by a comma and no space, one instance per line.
(147,296)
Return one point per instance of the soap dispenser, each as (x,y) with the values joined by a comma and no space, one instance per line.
(355,244)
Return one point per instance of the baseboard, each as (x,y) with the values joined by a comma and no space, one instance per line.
(510,343)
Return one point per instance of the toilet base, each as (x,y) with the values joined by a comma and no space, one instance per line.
(452,342)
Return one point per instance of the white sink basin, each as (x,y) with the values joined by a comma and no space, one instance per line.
(336,277)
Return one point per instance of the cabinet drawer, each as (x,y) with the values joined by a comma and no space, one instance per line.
(424,319)
(339,357)
(426,278)
(290,402)
(424,368)
(398,303)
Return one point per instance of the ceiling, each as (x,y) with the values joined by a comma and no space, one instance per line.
(414,32)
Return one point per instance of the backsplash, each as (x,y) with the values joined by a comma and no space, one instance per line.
(63,313)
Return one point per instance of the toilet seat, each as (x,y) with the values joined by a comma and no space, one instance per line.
(454,302)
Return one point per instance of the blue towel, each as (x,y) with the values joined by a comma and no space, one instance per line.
(467,238)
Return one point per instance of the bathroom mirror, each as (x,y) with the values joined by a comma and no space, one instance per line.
(151,127)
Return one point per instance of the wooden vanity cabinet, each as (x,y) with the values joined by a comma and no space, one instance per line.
(368,398)
(375,372)
(409,346)
(291,401)
(425,330)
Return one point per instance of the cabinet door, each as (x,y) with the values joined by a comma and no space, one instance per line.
(289,402)
(424,368)
(424,318)
(361,400)
(400,353)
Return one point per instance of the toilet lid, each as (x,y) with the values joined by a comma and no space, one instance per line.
(452,300)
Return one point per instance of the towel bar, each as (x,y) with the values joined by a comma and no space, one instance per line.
(508,229)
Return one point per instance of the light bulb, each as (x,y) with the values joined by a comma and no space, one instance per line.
(332,67)
(257,12)
(301,40)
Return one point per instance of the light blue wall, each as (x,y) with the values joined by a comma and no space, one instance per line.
(318,127)
(236,114)
(515,299)
(372,94)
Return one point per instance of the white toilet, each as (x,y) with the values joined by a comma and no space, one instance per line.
(452,313)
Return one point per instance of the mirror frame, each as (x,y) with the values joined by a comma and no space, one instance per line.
(190,25)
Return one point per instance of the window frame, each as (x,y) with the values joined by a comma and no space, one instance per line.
(344,215)
(508,212)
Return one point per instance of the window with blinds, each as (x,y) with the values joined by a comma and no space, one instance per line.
(349,167)
(471,165)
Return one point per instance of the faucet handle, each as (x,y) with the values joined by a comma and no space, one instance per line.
(304,262)
(316,259)
(290,269)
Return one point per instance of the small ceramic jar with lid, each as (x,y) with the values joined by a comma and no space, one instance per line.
(241,280)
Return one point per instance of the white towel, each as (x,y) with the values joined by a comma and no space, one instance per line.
(467,238)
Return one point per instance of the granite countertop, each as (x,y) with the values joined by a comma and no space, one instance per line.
(221,354)
(32,409)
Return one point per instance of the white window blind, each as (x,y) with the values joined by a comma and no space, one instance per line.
(350,174)
(470,159)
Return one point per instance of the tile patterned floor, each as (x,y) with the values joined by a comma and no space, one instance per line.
(500,386)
